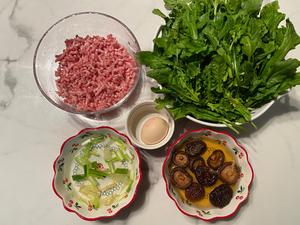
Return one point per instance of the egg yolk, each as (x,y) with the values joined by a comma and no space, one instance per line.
(154,130)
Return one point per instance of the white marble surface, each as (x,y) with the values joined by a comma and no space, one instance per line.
(32,130)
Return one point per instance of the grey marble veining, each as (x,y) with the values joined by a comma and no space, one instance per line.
(32,130)
(21,30)
(9,81)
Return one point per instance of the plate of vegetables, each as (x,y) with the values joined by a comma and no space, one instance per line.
(222,63)
(207,174)
(97,173)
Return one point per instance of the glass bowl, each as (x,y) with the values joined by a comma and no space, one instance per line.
(53,43)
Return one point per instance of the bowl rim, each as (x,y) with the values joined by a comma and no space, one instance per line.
(164,141)
(264,108)
(70,108)
(174,200)
(137,185)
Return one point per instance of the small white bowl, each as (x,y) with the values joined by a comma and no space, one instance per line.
(137,116)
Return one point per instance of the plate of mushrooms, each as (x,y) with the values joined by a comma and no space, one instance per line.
(207,174)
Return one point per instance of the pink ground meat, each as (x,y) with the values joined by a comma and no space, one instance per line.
(94,73)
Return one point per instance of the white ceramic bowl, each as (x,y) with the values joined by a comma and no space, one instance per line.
(68,190)
(254,115)
(137,114)
(243,187)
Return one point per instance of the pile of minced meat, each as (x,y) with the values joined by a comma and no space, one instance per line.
(94,72)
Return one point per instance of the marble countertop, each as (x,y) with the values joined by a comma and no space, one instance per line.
(32,130)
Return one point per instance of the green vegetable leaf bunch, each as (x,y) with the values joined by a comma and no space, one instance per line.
(217,60)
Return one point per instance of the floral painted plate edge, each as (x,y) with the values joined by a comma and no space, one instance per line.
(239,196)
(62,185)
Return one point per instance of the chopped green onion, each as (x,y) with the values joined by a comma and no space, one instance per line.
(93,180)
(82,200)
(111,167)
(79,161)
(121,171)
(107,154)
(87,148)
(121,153)
(109,186)
(118,155)
(94,153)
(108,200)
(86,169)
(119,141)
(115,159)
(129,186)
(96,202)
(96,140)
(118,198)
(120,178)
(127,158)
(98,174)
(94,165)
(78,177)
(131,175)
(89,191)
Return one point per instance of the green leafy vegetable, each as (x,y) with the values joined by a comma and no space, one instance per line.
(217,60)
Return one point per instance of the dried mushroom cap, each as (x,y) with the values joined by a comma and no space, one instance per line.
(229,173)
(180,178)
(216,159)
(206,176)
(195,147)
(221,196)
(196,162)
(194,192)
(181,159)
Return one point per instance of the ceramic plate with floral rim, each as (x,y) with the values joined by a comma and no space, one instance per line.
(234,152)
(97,173)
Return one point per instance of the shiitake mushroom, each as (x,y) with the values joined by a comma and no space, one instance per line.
(216,159)
(221,195)
(181,159)
(180,178)
(194,192)
(206,176)
(195,147)
(229,173)
(196,162)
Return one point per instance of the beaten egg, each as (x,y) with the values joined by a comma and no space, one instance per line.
(153,130)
